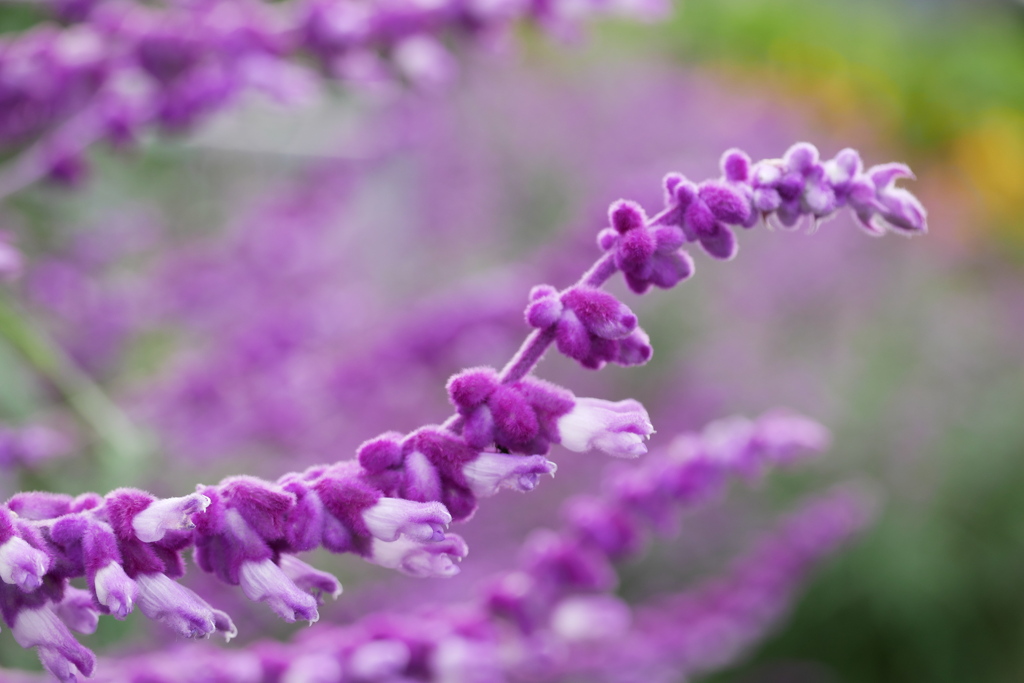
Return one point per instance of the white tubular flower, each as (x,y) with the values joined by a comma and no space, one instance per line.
(424,560)
(264,581)
(490,472)
(60,653)
(390,518)
(617,428)
(179,608)
(22,565)
(169,514)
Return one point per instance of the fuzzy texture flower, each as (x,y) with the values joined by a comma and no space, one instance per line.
(391,505)
(616,428)
(557,601)
(122,69)
(519,417)
(590,326)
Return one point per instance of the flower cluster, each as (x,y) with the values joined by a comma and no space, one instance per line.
(799,186)
(565,619)
(122,68)
(393,503)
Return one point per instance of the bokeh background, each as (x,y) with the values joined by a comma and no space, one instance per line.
(270,290)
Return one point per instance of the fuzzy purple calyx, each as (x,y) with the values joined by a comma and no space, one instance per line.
(648,255)
(617,428)
(704,212)
(390,518)
(491,472)
(423,560)
(590,325)
(22,565)
(519,417)
(264,581)
(168,514)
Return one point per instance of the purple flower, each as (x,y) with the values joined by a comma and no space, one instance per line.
(519,417)
(390,518)
(703,213)
(490,472)
(168,514)
(114,590)
(180,609)
(420,559)
(590,326)
(60,653)
(616,428)
(309,579)
(264,581)
(646,254)
(76,610)
(21,564)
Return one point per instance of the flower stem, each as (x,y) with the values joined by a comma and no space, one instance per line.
(125,445)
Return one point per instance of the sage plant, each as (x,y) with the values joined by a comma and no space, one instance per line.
(393,503)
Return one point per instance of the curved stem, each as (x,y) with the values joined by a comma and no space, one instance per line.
(536,344)
(125,445)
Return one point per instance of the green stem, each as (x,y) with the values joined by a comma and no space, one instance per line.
(125,446)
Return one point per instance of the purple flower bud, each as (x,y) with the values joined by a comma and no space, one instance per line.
(263,581)
(900,209)
(115,591)
(801,158)
(431,559)
(735,165)
(616,428)
(22,565)
(545,307)
(382,453)
(390,518)
(40,627)
(309,578)
(472,387)
(725,203)
(635,349)
(169,514)
(490,472)
(601,313)
(180,609)
(626,216)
